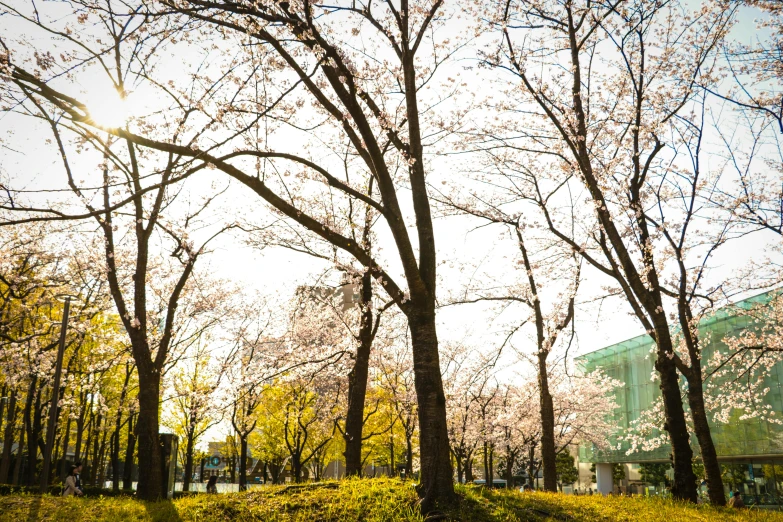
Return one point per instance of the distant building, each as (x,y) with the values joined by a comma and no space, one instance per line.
(751,449)
(348,291)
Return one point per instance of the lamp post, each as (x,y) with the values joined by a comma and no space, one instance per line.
(52,425)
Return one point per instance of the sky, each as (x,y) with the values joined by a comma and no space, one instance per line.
(33,166)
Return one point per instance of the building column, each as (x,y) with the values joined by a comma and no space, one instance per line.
(603,478)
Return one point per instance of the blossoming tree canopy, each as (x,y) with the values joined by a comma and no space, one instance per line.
(268,212)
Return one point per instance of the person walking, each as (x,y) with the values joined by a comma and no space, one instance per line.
(70,487)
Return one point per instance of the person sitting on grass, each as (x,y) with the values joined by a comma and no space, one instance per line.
(78,475)
(70,483)
(736,501)
(212,484)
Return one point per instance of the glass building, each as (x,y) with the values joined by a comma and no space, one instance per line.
(750,450)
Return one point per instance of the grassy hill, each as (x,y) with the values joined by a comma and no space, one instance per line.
(367,500)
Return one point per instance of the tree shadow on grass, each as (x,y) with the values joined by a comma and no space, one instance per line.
(162,511)
(35,508)
(480,505)
(469,510)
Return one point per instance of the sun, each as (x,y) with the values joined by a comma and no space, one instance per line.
(108,108)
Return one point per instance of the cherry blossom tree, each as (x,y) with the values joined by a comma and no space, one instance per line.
(739,375)
(755,69)
(605,133)
(463,434)
(584,404)
(752,98)
(537,256)
(353,309)
(40,266)
(256,358)
(520,430)
(146,287)
(397,378)
(377,114)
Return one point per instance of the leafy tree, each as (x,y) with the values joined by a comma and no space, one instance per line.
(268,439)
(567,473)
(698,470)
(773,473)
(733,474)
(190,414)
(385,433)
(654,473)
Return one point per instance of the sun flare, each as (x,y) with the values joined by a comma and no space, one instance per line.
(110,109)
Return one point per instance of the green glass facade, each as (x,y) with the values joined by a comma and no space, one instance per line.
(631,362)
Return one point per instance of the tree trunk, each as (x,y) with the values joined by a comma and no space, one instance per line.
(115,440)
(66,442)
(101,472)
(127,469)
(459,468)
(296,467)
(188,462)
(77,452)
(684,484)
(38,425)
(147,425)
(274,471)
(243,462)
(55,459)
(695,392)
(32,447)
(436,480)
(19,457)
(487,481)
(357,384)
(85,457)
(92,474)
(708,454)
(548,451)
(408,454)
(3,391)
(8,439)
(510,457)
(491,465)
(531,465)
(392,468)
(114,457)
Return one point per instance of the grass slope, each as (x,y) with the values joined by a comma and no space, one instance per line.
(376,500)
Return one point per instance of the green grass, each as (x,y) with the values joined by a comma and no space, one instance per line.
(376,500)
